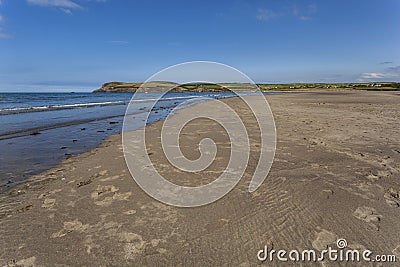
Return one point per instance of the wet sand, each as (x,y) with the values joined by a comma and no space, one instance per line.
(335,175)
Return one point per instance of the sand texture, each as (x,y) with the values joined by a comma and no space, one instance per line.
(336,174)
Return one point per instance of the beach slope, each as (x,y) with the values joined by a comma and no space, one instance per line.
(335,175)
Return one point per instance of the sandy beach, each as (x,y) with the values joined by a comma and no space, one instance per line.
(335,175)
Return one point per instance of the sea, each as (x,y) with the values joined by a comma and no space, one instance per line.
(39,130)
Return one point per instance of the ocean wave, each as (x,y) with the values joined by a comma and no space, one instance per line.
(17,110)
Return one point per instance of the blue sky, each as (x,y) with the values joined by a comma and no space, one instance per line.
(64,45)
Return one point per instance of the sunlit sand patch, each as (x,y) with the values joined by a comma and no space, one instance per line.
(106,194)
(49,193)
(90,244)
(104,172)
(372,177)
(129,212)
(324,239)
(28,262)
(134,244)
(365,188)
(48,203)
(392,197)
(158,212)
(115,177)
(368,215)
(72,226)
(155,242)
(326,193)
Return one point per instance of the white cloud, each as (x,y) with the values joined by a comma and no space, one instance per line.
(265,14)
(375,75)
(4,35)
(392,72)
(304,12)
(65,6)
(66,11)
(55,3)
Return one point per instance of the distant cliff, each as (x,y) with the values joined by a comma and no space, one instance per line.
(158,86)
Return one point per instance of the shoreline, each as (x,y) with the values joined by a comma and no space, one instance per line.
(335,166)
(74,123)
(34,146)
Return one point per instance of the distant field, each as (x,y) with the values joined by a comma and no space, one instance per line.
(199,87)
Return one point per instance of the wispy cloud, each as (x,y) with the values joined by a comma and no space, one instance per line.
(66,11)
(391,72)
(375,75)
(117,42)
(55,3)
(386,62)
(395,69)
(65,6)
(304,12)
(3,35)
(265,14)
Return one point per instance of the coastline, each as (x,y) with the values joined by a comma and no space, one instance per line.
(335,168)
(49,127)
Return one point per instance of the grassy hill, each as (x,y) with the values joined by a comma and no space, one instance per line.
(203,87)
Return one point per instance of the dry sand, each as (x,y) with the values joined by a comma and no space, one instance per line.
(335,174)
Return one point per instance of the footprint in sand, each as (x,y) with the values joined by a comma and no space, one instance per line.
(392,197)
(49,193)
(91,179)
(372,177)
(72,226)
(129,212)
(369,215)
(324,239)
(326,193)
(105,195)
(48,203)
(24,262)
(133,244)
